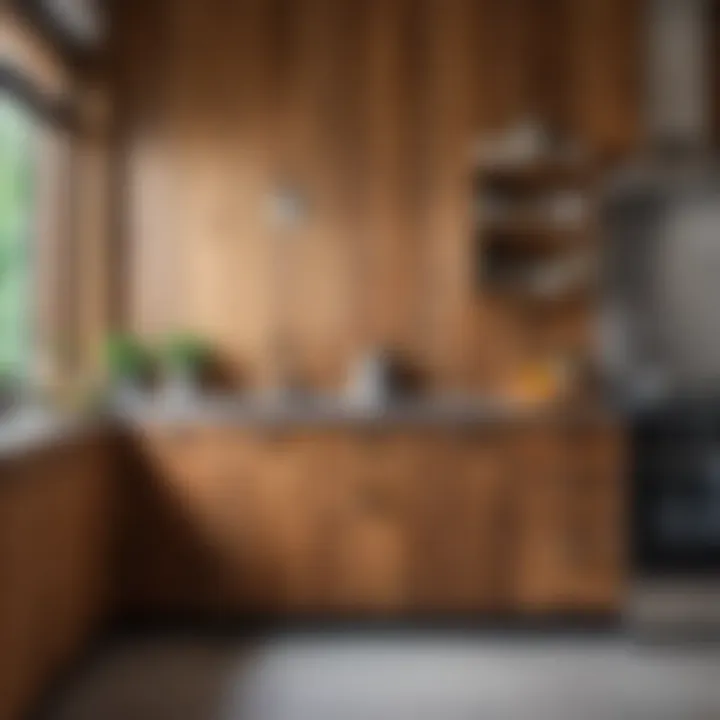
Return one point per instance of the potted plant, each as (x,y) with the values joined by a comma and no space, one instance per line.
(184,356)
(128,362)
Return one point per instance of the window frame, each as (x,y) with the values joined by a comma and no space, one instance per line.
(51,317)
(47,108)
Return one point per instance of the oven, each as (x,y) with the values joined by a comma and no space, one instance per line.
(675,523)
(674,518)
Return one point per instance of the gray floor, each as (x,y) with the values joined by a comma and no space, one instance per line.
(397,677)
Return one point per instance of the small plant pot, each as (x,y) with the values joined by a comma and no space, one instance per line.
(127,390)
(180,385)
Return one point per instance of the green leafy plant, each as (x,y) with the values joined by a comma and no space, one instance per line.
(185,353)
(127,358)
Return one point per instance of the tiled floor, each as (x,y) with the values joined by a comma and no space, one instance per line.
(355,676)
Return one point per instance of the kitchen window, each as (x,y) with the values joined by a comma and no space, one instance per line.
(34,219)
(18,135)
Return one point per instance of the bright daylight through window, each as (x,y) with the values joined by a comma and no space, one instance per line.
(17,133)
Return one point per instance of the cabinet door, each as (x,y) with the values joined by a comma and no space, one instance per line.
(54,564)
(595,522)
(285,500)
(567,522)
(73,509)
(458,549)
(541,471)
(180,508)
(369,532)
(23,551)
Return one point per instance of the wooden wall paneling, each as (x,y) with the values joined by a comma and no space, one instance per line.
(211,181)
(140,177)
(608,92)
(505,45)
(417,179)
(286,169)
(165,276)
(486,67)
(449,217)
(316,285)
(369,112)
(387,125)
(492,330)
(229,128)
(350,41)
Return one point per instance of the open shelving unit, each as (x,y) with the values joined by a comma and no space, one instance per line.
(535,229)
(538,257)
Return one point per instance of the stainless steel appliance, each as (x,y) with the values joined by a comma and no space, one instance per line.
(660,334)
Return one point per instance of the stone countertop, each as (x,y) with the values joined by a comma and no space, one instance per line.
(30,431)
(334,412)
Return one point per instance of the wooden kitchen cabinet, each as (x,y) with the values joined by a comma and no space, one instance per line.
(176,508)
(280,539)
(370,537)
(596,522)
(56,528)
(567,522)
(539,469)
(244,521)
(378,521)
(459,504)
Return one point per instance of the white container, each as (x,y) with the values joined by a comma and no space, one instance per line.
(369,381)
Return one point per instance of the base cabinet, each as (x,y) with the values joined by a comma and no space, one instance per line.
(568,522)
(376,522)
(55,542)
(459,552)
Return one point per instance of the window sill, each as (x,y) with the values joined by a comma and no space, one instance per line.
(28,430)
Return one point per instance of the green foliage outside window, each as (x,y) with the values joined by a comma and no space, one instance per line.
(17,131)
